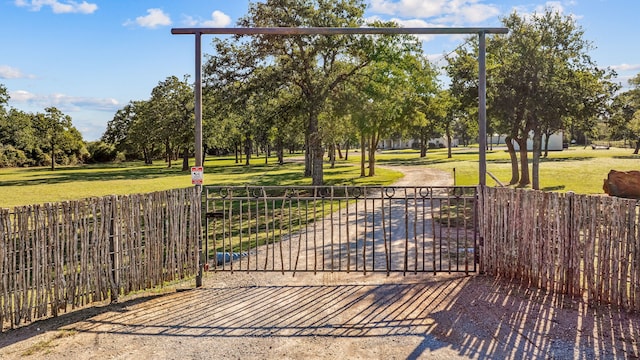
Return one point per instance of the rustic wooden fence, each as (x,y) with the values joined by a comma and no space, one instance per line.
(57,257)
(582,245)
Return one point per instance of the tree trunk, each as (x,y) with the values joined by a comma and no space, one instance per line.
(247,150)
(205,150)
(266,156)
(332,155)
(53,156)
(524,163)
(280,151)
(167,150)
(449,145)
(363,154)
(236,147)
(372,159)
(423,143)
(546,145)
(346,151)
(635,152)
(185,159)
(148,159)
(515,175)
(372,154)
(317,151)
(339,151)
(308,162)
(535,168)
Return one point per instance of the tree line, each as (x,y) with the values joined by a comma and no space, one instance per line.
(324,95)
(41,139)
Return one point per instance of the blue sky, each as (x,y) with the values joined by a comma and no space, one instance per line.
(91,57)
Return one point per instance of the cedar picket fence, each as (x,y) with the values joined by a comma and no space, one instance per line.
(580,245)
(58,257)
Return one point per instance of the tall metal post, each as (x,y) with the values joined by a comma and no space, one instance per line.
(482,108)
(198,137)
(198,104)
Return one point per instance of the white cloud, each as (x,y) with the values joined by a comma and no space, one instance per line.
(154,18)
(553,6)
(21,96)
(477,13)
(218,20)
(626,67)
(415,23)
(440,11)
(59,7)
(418,8)
(64,102)
(8,72)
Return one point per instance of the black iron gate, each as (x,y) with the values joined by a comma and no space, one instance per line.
(341,228)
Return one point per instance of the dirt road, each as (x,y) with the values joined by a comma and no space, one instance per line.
(335,316)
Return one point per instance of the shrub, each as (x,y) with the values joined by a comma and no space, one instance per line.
(101,152)
(12,157)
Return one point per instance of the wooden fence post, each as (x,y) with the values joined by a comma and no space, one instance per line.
(114,248)
(481,227)
(568,251)
(201,258)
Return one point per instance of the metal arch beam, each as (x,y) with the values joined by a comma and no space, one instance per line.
(337,31)
(482,76)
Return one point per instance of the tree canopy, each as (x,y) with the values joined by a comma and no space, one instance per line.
(313,68)
(624,123)
(540,78)
(41,139)
(163,124)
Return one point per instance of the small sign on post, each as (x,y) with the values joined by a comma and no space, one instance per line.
(197,175)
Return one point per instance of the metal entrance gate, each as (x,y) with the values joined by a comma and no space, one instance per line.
(341,228)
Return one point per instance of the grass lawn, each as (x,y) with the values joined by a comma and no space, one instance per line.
(577,169)
(24,186)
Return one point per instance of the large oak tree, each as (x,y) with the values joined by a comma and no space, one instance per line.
(540,77)
(312,66)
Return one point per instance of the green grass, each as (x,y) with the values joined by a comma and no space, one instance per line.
(25,186)
(577,169)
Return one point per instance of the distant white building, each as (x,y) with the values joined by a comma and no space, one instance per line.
(555,141)
(399,144)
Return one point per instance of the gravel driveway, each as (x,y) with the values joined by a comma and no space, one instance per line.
(335,316)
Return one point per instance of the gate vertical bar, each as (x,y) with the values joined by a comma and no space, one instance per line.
(198,137)
(482,107)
